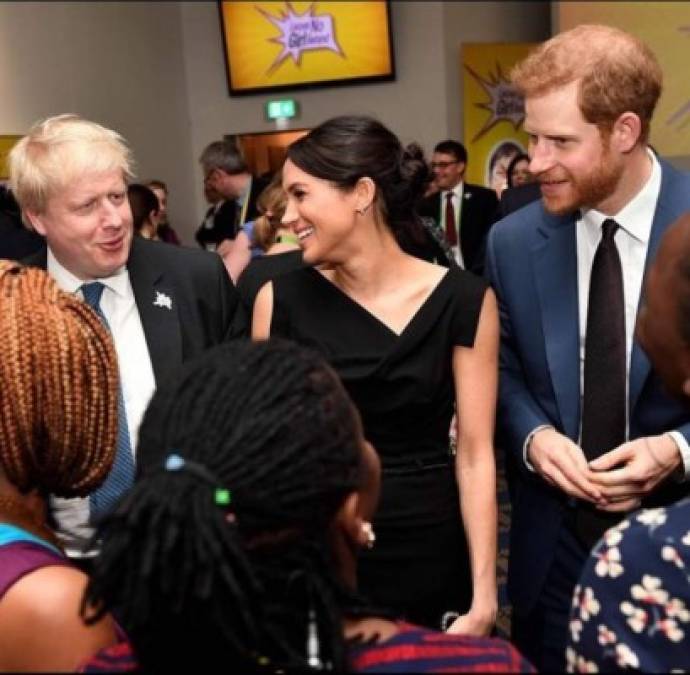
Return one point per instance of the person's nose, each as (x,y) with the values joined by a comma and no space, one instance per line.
(114,215)
(541,157)
(290,216)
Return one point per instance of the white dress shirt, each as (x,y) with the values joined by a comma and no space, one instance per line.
(457,194)
(632,240)
(136,378)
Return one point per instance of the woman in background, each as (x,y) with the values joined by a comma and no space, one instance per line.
(409,340)
(517,172)
(58,425)
(145,210)
(279,244)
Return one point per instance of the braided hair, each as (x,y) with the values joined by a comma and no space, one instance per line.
(195,583)
(58,399)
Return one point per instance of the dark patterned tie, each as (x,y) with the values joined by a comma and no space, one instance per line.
(121,477)
(451,232)
(603,401)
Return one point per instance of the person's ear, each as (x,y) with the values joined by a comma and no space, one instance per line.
(35,221)
(626,132)
(364,193)
(357,531)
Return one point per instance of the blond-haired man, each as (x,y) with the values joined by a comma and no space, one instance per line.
(162,304)
(579,406)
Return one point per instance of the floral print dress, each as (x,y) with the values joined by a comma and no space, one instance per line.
(631,609)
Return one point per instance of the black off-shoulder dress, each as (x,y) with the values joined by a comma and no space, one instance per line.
(404,389)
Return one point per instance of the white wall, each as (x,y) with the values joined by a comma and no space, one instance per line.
(118,63)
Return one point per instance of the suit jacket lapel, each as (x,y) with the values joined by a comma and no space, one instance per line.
(555,270)
(159,318)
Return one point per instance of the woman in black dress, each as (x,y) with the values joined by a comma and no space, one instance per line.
(409,339)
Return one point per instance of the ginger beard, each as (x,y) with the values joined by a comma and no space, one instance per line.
(563,191)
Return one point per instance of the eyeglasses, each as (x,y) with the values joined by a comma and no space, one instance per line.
(443,165)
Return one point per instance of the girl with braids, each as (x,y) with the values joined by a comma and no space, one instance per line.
(58,424)
(236,549)
(409,340)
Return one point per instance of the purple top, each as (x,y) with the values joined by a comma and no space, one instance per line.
(23,556)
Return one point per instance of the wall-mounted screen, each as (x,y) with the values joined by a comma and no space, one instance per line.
(272,46)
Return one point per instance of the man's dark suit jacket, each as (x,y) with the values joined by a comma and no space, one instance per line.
(226,222)
(532,266)
(479,212)
(16,242)
(204,306)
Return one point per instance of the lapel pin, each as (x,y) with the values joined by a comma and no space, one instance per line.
(162,300)
(467,195)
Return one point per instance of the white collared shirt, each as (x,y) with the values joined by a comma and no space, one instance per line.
(243,203)
(136,378)
(632,241)
(457,195)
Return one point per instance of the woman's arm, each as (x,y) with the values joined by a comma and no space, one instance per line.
(237,255)
(263,313)
(476,381)
(40,624)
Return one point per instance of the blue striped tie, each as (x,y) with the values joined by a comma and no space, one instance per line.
(121,477)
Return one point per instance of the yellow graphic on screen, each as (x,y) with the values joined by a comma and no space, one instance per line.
(493,110)
(665,27)
(272,44)
(301,32)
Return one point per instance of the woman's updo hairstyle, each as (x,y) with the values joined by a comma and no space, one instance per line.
(344,149)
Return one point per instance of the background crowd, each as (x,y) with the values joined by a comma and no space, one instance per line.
(278,450)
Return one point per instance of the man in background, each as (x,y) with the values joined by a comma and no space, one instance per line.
(226,174)
(464,212)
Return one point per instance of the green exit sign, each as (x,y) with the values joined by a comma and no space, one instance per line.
(282,109)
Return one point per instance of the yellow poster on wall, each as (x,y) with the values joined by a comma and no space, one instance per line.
(6,144)
(665,27)
(493,110)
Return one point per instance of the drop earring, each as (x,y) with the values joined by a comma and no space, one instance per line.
(370,535)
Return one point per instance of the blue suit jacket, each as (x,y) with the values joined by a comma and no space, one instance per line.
(532,265)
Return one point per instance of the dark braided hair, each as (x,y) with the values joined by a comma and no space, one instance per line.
(199,584)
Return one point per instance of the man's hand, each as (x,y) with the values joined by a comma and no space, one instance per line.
(562,464)
(640,466)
